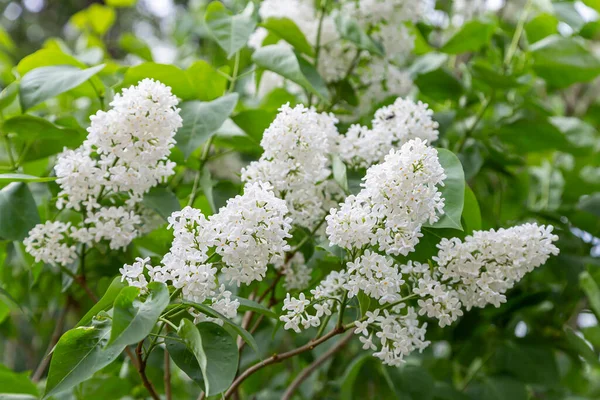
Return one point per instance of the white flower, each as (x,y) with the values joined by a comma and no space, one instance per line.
(114,224)
(393,126)
(488,263)
(296,272)
(397,198)
(295,161)
(376,276)
(251,232)
(134,273)
(51,243)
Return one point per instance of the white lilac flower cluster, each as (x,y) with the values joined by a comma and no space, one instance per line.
(398,197)
(392,126)
(489,263)
(296,272)
(296,162)
(124,155)
(246,235)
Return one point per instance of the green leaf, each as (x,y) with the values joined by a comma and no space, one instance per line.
(44,83)
(132,44)
(120,3)
(16,383)
(238,329)
(216,353)
(349,29)
(499,388)
(287,30)
(97,18)
(250,305)
(364,302)
(472,36)
(339,172)
(201,120)
(183,357)
(162,200)
(541,26)
(208,82)
(592,291)
(18,211)
(230,31)
(105,302)
(170,75)
(471,213)
(532,134)
(590,203)
(350,376)
(11,396)
(25,178)
(254,122)
(595,4)
(453,191)
(283,61)
(580,346)
(563,61)
(133,319)
(8,95)
(29,127)
(78,354)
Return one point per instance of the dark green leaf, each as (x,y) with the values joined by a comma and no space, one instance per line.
(163,201)
(79,354)
(216,353)
(532,134)
(105,302)
(134,319)
(44,83)
(184,358)
(579,345)
(201,120)
(18,211)
(592,291)
(250,305)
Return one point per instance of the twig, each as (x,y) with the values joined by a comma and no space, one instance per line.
(58,330)
(276,358)
(168,393)
(141,367)
(306,372)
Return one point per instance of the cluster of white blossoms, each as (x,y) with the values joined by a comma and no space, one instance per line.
(376,276)
(398,197)
(125,154)
(296,162)
(246,235)
(295,271)
(392,126)
(489,263)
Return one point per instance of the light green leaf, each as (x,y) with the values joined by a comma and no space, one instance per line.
(201,120)
(162,200)
(170,75)
(562,61)
(134,45)
(230,31)
(121,3)
(133,319)
(105,302)
(472,36)
(25,178)
(79,354)
(339,172)
(18,211)
(44,83)
(287,30)
(453,191)
(579,345)
(16,382)
(283,61)
(349,29)
(238,329)
(216,353)
(209,84)
(250,305)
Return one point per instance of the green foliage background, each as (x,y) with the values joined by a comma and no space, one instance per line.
(515,92)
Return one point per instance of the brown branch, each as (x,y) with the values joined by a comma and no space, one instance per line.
(276,358)
(58,330)
(142,371)
(306,372)
(168,393)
